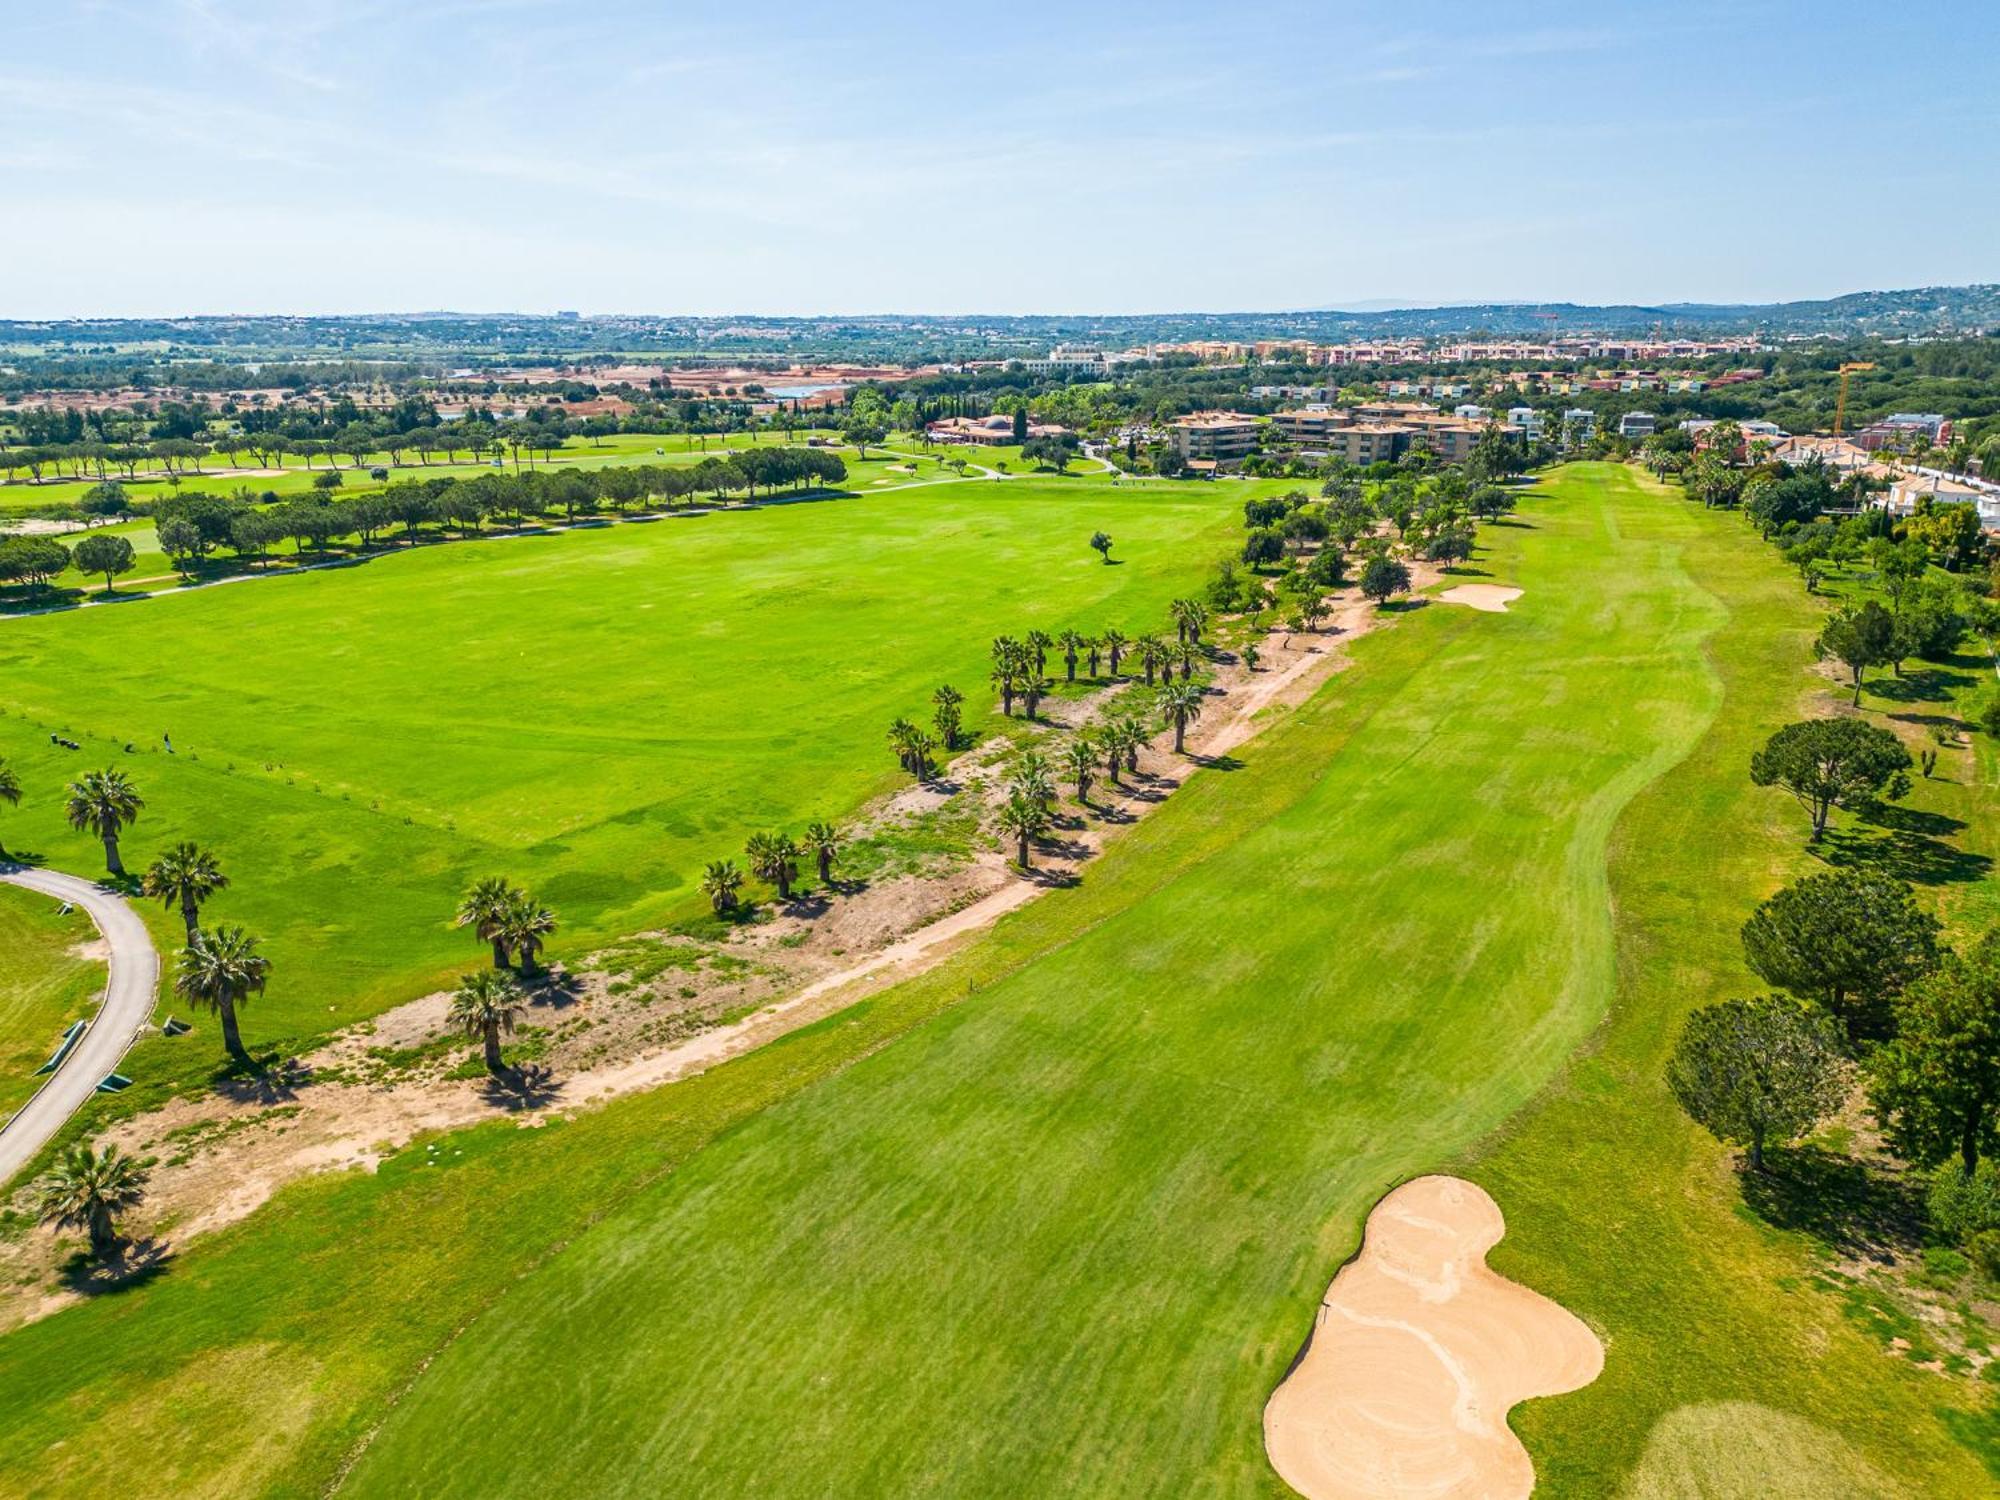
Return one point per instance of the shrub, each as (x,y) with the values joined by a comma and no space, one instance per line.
(1984,1250)
(1963,1206)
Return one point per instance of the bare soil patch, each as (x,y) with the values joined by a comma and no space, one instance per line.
(1417,1354)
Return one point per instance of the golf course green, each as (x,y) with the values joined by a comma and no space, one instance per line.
(593,713)
(1053,1217)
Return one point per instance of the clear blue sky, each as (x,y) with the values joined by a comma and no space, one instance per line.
(318,156)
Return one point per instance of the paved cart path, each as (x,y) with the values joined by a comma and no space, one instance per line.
(128,1002)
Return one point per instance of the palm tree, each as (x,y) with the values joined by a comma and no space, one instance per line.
(1152,655)
(185,876)
(1072,643)
(720,882)
(103,803)
(1180,705)
(912,747)
(1093,647)
(1111,740)
(219,971)
(1038,642)
(1182,613)
(10,792)
(921,746)
(1030,778)
(1186,654)
(524,925)
(1115,642)
(773,857)
(945,717)
(1134,735)
(1080,760)
(87,1190)
(482,909)
(1008,663)
(485,1007)
(1025,818)
(823,842)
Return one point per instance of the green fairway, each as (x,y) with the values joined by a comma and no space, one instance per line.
(594,713)
(44,985)
(1053,1218)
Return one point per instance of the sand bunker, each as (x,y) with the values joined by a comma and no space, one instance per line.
(1417,1355)
(1491,597)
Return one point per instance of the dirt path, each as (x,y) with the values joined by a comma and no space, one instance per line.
(332,1112)
(1417,1354)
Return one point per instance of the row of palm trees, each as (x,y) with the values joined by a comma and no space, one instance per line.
(1020,666)
(488,1003)
(772,857)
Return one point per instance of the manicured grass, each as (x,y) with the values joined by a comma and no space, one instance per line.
(594,713)
(1053,1218)
(1108,1178)
(1633,1218)
(44,985)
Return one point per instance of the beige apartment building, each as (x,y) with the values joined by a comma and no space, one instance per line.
(1219,437)
(1378,432)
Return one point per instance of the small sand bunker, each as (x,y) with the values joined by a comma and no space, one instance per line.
(1417,1355)
(1491,597)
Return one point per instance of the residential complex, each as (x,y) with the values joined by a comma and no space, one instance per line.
(1215,437)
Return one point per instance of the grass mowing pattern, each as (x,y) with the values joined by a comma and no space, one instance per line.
(1064,1238)
(593,713)
(43,986)
(1627,1214)
(261,1361)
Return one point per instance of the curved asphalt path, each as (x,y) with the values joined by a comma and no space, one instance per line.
(128,1003)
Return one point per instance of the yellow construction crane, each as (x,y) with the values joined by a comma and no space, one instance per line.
(1840,407)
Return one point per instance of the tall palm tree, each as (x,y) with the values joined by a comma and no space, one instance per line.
(1038,644)
(1025,818)
(773,857)
(1030,778)
(823,843)
(103,803)
(945,717)
(1111,740)
(10,792)
(485,1007)
(1185,655)
(1180,705)
(1073,643)
(1152,655)
(1115,642)
(1093,648)
(524,926)
(720,882)
(482,908)
(1079,757)
(87,1190)
(1181,611)
(185,876)
(219,971)
(1010,665)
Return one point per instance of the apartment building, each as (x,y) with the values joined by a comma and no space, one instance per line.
(1220,437)
(1637,424)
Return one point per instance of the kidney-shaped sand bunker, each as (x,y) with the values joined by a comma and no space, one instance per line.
(1417,1354)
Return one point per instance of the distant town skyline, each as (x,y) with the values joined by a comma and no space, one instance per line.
(213,156)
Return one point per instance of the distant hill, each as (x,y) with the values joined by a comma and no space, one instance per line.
(434,337)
